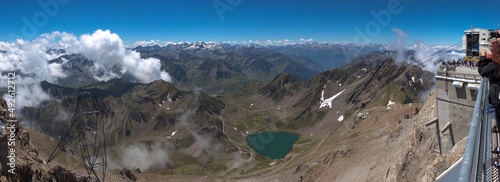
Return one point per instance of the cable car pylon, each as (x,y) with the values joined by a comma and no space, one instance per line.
(87,125)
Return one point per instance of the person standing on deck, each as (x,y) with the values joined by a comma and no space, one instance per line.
(488,66)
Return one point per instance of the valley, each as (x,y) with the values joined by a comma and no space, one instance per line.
(247,91)
(183,135)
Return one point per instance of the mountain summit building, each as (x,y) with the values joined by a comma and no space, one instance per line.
(456,98)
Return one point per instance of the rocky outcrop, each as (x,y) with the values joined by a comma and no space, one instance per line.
(301,168)
(341,152)
(28,165)
(127,174)
(419,158)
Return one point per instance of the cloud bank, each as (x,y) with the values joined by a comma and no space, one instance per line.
(306,40)
(30,60)
(155,156)
(427,57)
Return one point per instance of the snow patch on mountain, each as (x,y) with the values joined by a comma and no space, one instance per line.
(328,102)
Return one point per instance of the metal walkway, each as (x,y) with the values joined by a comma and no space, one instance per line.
(477,163)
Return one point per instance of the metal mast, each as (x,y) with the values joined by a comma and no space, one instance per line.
(88,126)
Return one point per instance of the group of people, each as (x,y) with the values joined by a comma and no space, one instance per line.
(466,63)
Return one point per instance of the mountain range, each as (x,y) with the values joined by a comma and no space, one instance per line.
(225,68)
(222,93)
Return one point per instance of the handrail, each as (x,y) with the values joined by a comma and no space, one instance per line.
(456,74)
(475,151)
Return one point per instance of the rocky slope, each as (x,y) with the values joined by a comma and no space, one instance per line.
(190,135)
(407,151)
(371,80)
(392,141)
(183,129)
(403,150)
(29,165)
(415,144)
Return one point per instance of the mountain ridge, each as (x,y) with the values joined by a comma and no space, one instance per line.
(205,132)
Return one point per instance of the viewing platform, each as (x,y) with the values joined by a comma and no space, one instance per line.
(476,163)
(457,91)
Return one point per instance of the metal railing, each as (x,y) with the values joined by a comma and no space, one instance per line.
(476,152)
(459,75)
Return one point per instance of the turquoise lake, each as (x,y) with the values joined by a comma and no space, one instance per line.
(272,144)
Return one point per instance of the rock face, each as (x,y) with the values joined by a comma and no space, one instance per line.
(127,174)
(407,152)
(419,157)
(28,165)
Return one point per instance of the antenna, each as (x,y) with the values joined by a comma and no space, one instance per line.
(87,126)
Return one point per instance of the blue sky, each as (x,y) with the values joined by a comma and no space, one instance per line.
(433,22)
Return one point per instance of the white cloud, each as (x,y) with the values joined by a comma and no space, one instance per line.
(430,56)
(230,42)
(274,42)
(108,52)
(165,76)
(169,42)
(145,157)
(306,40)
(56,70)
(106,49)
(146,43)
(29,95)
(400,41)
(30,58)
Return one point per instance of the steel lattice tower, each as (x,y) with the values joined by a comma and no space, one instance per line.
(87,125)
